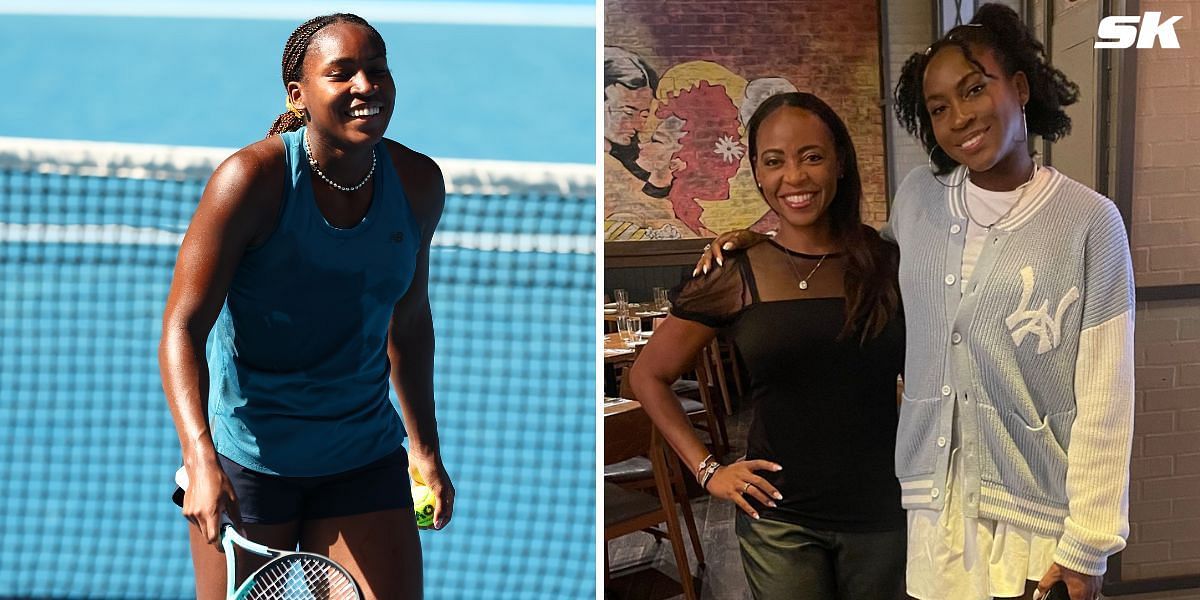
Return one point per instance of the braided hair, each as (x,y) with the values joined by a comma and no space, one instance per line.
(997,27)
(292,67)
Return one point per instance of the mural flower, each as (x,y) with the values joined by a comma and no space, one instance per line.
(729,149)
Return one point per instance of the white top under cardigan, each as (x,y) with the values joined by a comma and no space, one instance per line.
(1035,354)
(987,206)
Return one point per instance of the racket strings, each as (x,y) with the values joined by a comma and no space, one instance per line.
(302,578)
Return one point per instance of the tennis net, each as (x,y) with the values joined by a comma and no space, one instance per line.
(88,237)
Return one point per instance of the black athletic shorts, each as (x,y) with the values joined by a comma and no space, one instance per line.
(273,499)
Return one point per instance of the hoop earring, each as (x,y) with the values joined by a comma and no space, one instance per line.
(1024,126)
(933,171)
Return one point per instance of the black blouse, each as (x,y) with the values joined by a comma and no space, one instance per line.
(825,409)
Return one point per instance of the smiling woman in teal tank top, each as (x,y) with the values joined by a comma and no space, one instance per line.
(307,263)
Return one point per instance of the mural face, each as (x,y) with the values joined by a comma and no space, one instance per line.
(711,149)
(659,154)
(688,174)
(625,113)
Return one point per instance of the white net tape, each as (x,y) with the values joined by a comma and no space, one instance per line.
(176,163)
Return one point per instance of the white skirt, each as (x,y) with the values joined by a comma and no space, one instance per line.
(955,557)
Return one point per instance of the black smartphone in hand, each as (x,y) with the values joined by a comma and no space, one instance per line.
(1058,591)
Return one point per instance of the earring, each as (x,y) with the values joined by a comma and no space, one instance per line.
(933,171)
(295,111)
(1024,125)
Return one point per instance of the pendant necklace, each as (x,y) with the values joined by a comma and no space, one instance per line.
(804,282)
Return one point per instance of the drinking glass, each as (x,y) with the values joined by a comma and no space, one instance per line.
(625,328)
(621,298)
(660,299)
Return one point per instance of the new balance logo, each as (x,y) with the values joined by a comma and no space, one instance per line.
(1023,321)
(1123,30)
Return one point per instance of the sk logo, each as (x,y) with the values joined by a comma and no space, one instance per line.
(1119,31)
(1024,321)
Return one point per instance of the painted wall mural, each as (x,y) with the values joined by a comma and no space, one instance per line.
(675,114)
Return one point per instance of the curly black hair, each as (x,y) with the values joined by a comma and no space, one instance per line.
(997,27)
(292,65)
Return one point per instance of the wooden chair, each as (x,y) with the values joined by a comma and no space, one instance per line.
(698,407)
(628,435)
(729,357)
(637,473)
(708,371)
(710,375)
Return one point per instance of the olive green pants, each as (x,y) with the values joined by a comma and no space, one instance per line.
(784,561)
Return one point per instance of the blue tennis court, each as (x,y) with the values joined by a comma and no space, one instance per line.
(88,235)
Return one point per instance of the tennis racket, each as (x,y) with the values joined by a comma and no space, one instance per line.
(287,576)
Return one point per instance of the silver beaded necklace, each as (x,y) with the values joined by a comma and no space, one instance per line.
(312,162)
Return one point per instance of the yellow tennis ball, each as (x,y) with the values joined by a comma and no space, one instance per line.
(423,504)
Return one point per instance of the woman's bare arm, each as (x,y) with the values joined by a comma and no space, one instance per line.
(411,334)
(672,350)
(235,208)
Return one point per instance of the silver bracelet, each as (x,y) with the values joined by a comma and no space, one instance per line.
(709,471)
(703,465)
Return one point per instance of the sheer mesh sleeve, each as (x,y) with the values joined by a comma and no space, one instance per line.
(714,299)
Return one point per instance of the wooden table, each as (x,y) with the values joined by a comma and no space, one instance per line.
(645,311)
(617,358)
(616,352)
(624,423)
(621,406)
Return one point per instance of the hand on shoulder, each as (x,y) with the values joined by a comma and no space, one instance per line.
(730,241)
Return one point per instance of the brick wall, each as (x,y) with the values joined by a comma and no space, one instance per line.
(1166,215)
(827,47)
(1165,486)
(1164,507)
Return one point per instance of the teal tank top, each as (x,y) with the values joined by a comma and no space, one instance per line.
(299,372)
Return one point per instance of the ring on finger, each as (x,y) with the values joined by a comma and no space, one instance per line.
(746,488)
(707,247)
